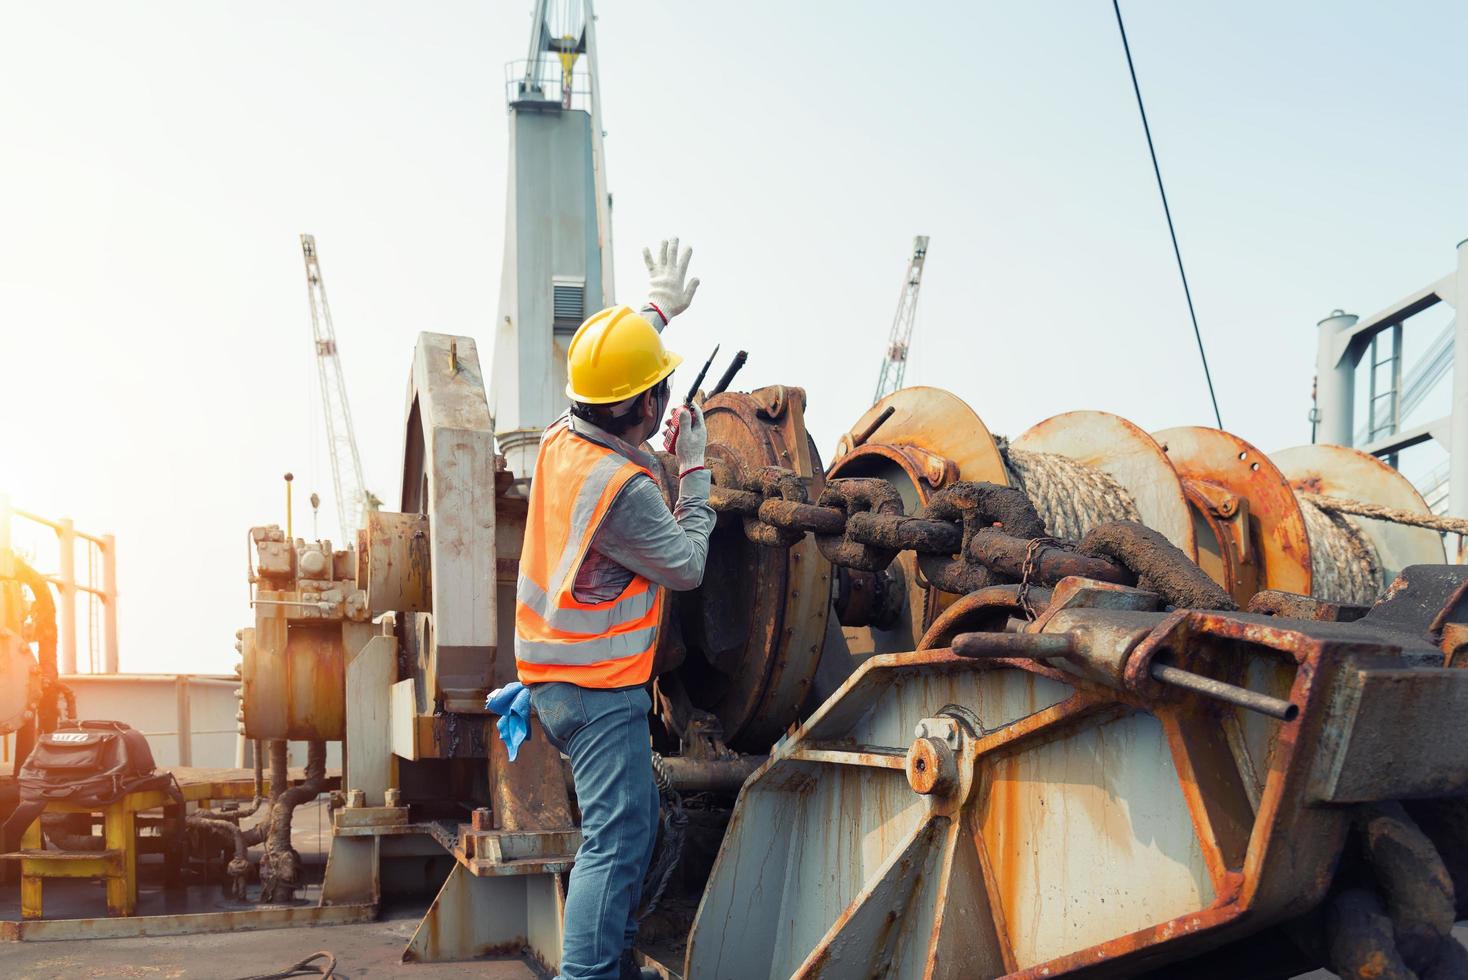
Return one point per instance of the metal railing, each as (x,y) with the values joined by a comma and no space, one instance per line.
(546,83)
(101,597)
(1346,342)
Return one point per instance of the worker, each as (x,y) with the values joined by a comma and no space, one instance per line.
(601,550)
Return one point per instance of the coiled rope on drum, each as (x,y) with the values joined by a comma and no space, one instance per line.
(1343,563)
(1070,497)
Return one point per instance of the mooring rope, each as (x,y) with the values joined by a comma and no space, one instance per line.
(1334,536)
(1343,562)
(1396,515)
(1070,497)
(1073,498)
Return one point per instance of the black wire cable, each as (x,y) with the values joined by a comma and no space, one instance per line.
(325,970)
(1197,334)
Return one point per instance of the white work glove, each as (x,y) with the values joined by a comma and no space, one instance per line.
(686,438)
(666,290)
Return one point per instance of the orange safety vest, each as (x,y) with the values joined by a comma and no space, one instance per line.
(557,638)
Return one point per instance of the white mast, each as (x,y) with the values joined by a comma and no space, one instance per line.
(558,225)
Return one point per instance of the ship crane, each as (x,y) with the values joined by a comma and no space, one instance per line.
(895,362)
(352,497)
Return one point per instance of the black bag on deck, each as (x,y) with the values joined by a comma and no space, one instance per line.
(85,763)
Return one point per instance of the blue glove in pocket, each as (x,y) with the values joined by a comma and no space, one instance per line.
(512,704)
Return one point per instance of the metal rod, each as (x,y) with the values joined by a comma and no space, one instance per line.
(734,368)
(58,581)
(1232,693)
(110,662)
(322,605)
(867,433)
(82,681)
(289,532)
(66,608)
(1028,646)
(53,525)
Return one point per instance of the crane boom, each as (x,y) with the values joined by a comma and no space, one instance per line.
(346,463)
(895,361)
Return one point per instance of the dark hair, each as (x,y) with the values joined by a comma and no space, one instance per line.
(618,425)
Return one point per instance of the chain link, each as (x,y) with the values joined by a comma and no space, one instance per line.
(1027,572)
(967,537)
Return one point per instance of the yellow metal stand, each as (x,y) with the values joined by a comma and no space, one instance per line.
(116,864)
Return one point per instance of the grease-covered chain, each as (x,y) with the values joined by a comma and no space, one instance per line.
(774,485)
(977,507)
(854,498)
(858,522)
(968,536)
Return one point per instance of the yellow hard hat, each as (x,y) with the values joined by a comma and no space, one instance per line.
(614,355)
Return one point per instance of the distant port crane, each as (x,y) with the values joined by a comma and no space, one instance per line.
(895,361)
(352,496)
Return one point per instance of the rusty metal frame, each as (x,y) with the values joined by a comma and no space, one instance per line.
(1268,851)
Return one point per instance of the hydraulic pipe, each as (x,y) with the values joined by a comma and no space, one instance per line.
(687,775)
(710,775)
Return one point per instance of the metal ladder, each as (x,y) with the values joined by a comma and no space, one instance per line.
(1385,421)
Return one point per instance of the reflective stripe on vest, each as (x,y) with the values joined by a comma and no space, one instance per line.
(557,637)
(587,621)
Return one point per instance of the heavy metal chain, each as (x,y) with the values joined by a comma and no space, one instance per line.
(967,536)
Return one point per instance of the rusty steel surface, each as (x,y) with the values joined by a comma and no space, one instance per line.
(396,557)
(450,475)
(293,674)
(1228,481)
(1337,471)
(934,422)
(1097,823)
(183,924)
(475,916)
(310,619)
(930,439)
(528,794)
(1128,455)
(754,631)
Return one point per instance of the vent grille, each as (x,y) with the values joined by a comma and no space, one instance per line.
(568,302)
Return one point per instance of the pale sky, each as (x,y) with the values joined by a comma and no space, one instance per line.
(160,159)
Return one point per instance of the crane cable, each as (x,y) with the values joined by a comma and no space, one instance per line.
(1197,334)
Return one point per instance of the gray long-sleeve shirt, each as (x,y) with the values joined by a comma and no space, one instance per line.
(638,534)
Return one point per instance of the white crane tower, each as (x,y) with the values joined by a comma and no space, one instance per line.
(352,498)
(895,363)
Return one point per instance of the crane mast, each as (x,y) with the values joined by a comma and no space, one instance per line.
(346,463)
(895,362)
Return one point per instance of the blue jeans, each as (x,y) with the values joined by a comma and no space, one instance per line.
(606,735)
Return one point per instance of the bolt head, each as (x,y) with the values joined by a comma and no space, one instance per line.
(932,767)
